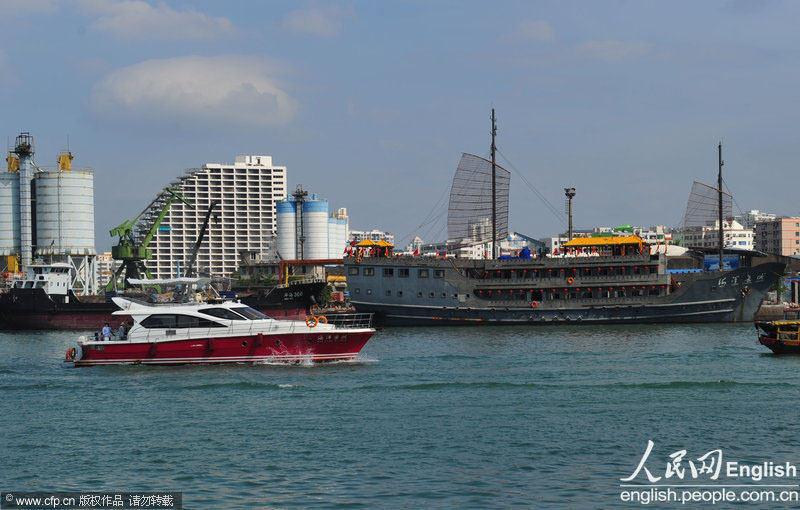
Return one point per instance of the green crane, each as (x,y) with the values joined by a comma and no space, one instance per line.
(133,253)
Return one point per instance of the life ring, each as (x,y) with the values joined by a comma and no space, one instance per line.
(71,353)
(358,260)
(311,321)
(534,304)
(322,319)
(570,280)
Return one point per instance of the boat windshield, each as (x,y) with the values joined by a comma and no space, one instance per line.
(250,313)
(222,313)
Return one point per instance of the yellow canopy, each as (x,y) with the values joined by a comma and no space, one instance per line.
(604,241)
(367,242)
(385,244)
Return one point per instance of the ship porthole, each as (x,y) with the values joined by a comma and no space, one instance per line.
(277,342)
(244,343)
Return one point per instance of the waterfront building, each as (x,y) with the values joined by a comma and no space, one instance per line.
(106,265)
(373,235)
(753,216)
(780,236)
(244,219)
(707,236)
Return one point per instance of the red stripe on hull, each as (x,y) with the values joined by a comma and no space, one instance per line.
(240,349)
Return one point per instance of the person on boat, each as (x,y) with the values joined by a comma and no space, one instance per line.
(121,332)
(106,333)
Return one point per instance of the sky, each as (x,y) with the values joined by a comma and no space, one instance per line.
(370,104)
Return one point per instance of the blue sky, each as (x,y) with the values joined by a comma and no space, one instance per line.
(370,104)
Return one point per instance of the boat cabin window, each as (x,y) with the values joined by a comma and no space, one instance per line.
(388,271)
(175,321)
(403,272)
(422,273)
(438,273)
(352,270)
(369,271)
(250,313)
(222,313)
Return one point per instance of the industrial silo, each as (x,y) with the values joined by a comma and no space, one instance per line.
(331,238)
(286,212)
(315,228)
(64,212)
(9,214)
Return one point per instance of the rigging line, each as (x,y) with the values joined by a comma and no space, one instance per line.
(741,212)
(547,203)
(428,219)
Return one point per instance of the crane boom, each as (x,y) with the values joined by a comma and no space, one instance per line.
(196,248)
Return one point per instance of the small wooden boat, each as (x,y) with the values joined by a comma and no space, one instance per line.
(783,336)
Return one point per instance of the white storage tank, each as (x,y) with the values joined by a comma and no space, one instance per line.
(64,212)
(286,212)
(315,229)
(9,214)
(331,238)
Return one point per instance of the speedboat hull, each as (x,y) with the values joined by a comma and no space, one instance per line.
(258,348)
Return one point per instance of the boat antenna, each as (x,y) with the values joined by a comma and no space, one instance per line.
(719,203)
(494,186)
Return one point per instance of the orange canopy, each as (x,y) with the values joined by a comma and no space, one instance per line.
(604,241)
(367,242)
(385,244)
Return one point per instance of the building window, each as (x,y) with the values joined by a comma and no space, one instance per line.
(388,271)
(438,273)
(422,273)
(403,272)
(352,270)
(369,271)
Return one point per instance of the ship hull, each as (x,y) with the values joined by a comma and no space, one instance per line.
(780,346)
(732,296)
(33,309)
(288,348)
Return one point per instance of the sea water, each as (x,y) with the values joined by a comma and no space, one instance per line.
(470,417)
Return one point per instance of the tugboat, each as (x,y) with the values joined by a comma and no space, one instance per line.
(782,337)
(221,332)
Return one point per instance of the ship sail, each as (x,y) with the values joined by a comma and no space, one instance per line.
(469,214)
(702,206)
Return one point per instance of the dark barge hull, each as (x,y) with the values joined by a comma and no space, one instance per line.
(31,309)
(701,298)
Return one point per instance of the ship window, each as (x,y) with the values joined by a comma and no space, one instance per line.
(403,272)
(422,273)
(388,271)
(399,293)
(357,291)
(352,270)
(438,273)
(388,292)
(444,294)
(432,294)
(369,271)
(419,294)
(170,321)
(222,313)
(369,292)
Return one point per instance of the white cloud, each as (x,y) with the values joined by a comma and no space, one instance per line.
(612,51)
(316,21)
(192,91)
(137,19)
(530,31)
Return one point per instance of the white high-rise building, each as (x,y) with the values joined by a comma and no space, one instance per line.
(244,219)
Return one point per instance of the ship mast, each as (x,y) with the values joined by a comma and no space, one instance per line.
(494,188)
(719,204)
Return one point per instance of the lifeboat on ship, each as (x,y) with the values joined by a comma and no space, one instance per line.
(220,332)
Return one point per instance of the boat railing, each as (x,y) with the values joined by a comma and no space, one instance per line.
(350,320)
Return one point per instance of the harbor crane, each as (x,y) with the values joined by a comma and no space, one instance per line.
(130,250)
(190,262)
